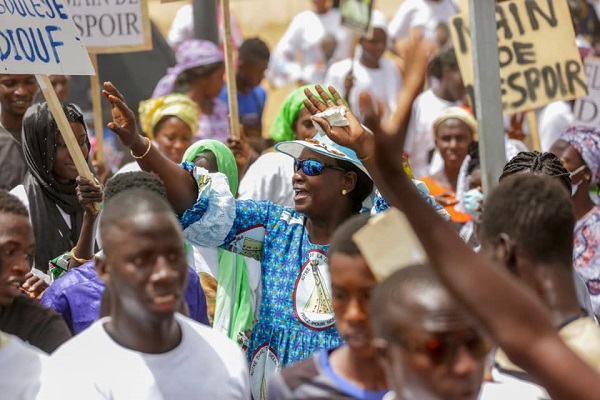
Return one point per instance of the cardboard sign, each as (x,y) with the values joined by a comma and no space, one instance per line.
(388,244)
(112,26)
(587,109)
(356,15)
(539,61)
(39,37)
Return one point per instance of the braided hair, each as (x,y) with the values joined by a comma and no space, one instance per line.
(539,163)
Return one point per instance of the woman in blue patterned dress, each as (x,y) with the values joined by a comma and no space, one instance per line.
(330,184)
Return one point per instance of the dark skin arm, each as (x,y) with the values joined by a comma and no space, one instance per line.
(88,193)
(182,190)
(518,323)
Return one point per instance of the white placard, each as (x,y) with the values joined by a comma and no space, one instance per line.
(112,26)
(39,37)
(587,109)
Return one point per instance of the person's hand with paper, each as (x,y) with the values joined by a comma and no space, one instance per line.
(506,309)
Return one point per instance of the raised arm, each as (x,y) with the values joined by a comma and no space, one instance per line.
(182,191)
(511,314)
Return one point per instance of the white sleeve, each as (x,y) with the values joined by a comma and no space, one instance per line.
(399,27)
(336,75)
(284,67)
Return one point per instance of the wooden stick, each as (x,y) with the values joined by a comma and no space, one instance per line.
(234,118)
(97,107)
(533,130)
(65,128)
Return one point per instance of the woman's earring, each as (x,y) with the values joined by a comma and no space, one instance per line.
(344,192)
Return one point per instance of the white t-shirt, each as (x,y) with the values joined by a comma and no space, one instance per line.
(304,36)
(182,27)
(269,178)
(23,369)
(426,14)
(206,364)
(383,83)
(419,140)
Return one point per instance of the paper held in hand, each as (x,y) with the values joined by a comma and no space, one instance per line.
(388,243)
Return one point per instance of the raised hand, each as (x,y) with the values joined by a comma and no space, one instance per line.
(353,136)
(89,193)
(123,123)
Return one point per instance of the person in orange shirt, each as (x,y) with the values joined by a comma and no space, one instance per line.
(454,130)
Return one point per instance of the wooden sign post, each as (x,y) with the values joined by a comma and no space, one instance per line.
(234,115)
(120,27)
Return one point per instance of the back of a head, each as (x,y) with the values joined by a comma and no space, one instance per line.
(536,212)
(390,297)
(130,203)
(254,50)
(134,180)
(10,204)
(538,163)
(341,241)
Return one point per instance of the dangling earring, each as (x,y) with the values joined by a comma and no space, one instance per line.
(587,177)
(344,192)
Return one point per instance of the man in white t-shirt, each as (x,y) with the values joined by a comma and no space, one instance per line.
(144,349)
(370,72)
(428,106)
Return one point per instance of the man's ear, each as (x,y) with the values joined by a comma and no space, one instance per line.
(382,351)
(506,252)
(349,181)
(102,268)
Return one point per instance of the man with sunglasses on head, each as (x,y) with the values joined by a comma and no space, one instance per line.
(426,343)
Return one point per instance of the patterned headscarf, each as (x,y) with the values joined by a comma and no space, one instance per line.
(283,126)
(175,105)
(459,113)
(190,54)
(586,141)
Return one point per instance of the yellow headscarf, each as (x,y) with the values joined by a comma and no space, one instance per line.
(177,105)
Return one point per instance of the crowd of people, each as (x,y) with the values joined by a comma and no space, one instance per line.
(231,266)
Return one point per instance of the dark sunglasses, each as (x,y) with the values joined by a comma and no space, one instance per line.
(444,350)
(313,167)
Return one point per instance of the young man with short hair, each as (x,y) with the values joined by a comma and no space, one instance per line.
(17,93)
(145,349)
(20,315)
(427,344)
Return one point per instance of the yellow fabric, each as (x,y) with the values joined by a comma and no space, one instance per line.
(176,105)
(582,336)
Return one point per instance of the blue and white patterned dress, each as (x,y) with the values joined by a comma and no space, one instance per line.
(296,316)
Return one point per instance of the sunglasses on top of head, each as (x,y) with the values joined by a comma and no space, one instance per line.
(313,167)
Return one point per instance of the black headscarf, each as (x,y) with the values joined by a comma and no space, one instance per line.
(52,234)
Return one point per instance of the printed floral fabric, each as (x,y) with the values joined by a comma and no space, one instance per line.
(586,254)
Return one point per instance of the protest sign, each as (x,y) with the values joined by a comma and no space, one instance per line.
(587,109)
(388,243)
(112,26)
(539,60)
(356,15)
(39,37)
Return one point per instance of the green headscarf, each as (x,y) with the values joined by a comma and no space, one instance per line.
(225,159)
(233,306)
(283,126)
